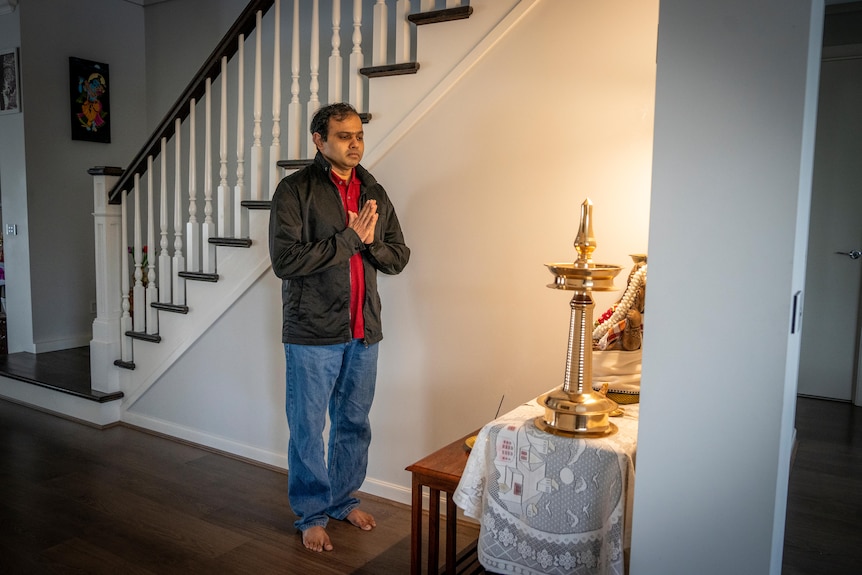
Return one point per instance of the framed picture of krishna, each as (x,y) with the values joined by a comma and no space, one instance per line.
(89,96)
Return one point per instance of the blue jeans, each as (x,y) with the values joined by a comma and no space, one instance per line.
(339,378)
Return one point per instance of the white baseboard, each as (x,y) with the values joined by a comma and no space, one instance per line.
(82,340)
(372,486)
(386,490)
(205,439)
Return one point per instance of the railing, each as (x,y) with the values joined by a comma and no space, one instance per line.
(164,174)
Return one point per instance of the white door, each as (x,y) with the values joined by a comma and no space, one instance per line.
(831,326)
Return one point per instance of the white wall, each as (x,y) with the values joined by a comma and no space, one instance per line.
(488,186)
(13,191)
(179,38)
(735,98)
(55,198)
(228,390)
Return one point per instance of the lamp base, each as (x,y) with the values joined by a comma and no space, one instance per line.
(577,414)
(548,428)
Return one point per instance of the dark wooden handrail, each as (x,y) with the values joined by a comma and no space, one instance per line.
(244,24)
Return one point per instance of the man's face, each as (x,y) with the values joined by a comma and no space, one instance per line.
(344,146)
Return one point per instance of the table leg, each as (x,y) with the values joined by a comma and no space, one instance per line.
(451,524)
(416,530)
(433,531)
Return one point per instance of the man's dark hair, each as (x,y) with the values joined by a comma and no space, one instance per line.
(320,120)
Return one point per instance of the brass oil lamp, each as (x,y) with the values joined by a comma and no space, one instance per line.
(575,409)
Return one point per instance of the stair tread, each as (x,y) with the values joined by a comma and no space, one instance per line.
(199,276)
(231,242)
(144,336)
(66,371)
(445,15)
(293,164)
(172,307)
(256,204)
(390,70)
(124,364)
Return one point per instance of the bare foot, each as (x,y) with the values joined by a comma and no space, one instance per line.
(316,539)
(361,519)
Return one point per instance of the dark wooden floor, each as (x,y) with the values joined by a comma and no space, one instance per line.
(823,531)
(74,499)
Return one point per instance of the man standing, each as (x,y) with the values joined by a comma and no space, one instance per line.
(332,227)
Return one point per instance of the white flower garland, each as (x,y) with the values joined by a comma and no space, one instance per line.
(624,305)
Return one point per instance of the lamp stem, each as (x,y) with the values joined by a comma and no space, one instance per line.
(579,355)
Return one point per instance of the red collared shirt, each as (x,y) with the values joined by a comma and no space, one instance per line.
(349,191)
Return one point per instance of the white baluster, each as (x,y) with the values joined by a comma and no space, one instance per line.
(208,229)
(138,294)
(178,284)
(356,85)
(152,296)
(193,231)
(241,214)
(335,62)
(453,3)
(275,148)
(164,254)
(380,41)
(294,109)
(256,148)
(223,199)
(314,61)
(402,31)
(126,317)
(427,5)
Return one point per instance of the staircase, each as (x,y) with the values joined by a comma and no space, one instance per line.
(202,260)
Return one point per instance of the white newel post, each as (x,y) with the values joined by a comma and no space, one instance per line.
(107,223)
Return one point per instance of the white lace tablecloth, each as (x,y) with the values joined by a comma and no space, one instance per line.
(547,504)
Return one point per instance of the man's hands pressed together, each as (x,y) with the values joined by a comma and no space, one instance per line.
(364,222)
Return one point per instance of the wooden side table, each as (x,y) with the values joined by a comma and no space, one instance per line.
(440,471)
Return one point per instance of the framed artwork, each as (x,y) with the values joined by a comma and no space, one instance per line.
(10,88)
(90,98)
